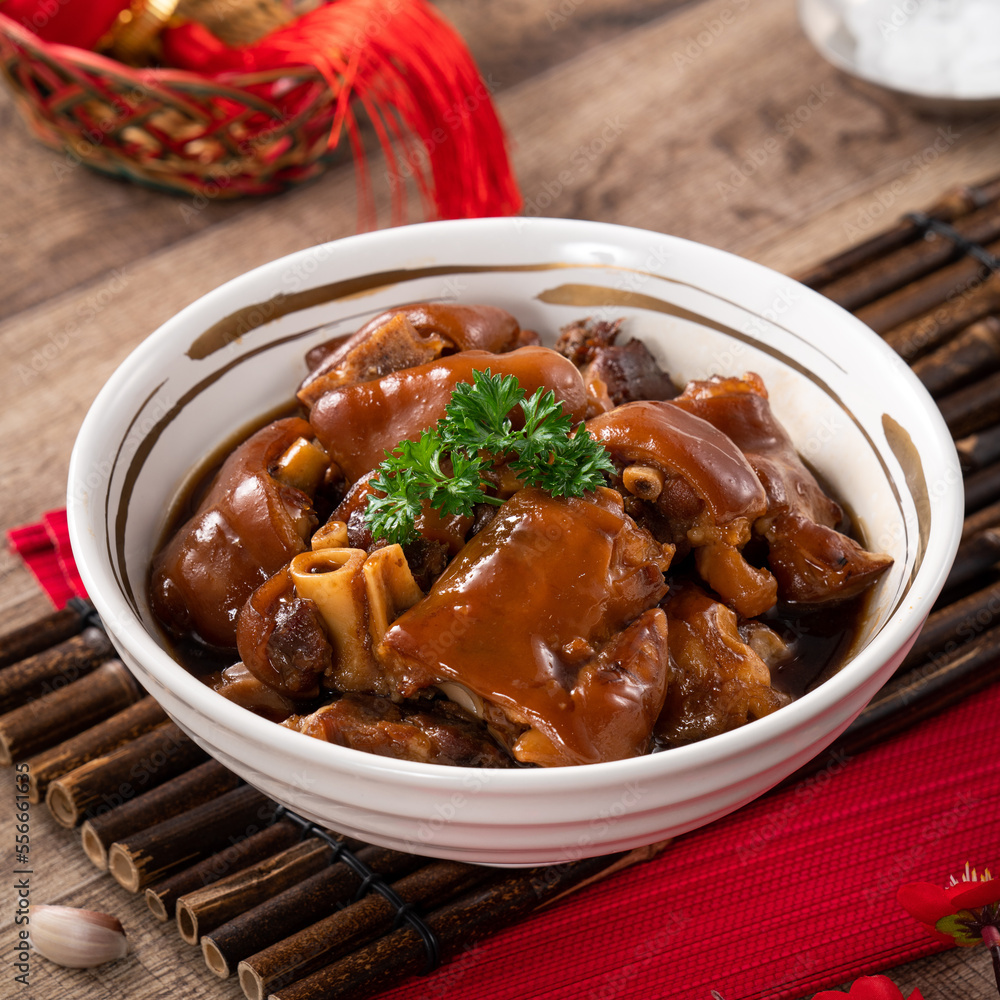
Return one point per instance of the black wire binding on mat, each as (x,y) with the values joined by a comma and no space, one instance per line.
(371,880)
(928,224)
(87,612)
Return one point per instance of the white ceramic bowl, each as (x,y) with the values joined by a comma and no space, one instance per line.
(853,408)
(827,24)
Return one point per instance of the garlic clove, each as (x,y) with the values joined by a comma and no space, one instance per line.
(75,938)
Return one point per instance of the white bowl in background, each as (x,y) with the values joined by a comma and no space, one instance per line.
(853,408)
(936,73)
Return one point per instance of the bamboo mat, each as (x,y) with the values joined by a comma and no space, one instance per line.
(715,911)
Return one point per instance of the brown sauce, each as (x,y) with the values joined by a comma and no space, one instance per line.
(596,649)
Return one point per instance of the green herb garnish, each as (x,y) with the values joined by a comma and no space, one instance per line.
(475,434)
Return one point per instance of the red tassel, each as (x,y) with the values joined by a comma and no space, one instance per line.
(415,78)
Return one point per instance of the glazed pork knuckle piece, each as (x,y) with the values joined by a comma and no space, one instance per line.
(438,732)
(613,373)
(570,653)
(256,515)
(406,337)
(696,488)
(718,680)
(812,561)
(282,639)
(358,424)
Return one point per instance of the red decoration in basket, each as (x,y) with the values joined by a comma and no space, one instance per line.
(256,118)
(80,24)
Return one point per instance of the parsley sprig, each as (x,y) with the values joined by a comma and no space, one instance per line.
(446,465)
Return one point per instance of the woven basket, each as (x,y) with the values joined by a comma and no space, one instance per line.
(222,137)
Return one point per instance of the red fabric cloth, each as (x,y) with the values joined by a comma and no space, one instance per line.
(794,893)
(44,548)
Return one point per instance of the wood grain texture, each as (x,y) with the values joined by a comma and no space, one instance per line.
(709,119)
(962,972)
(85,226)
(519,40)
(81,224)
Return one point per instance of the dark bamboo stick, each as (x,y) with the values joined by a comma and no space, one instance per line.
(982,487)
(161,850)
(53,668)
(113,778)
(161,898)
(976,451)
(122,727)
(205,909)
(953,205)
(40,724)
(948,627)
(975,352)
(856,257)
(970,196)
(39,635)
(497,904)
(947,284)
(298,906)
(935,327)
(973,408)
(987,517)
(975,556)
(345,930)
(912,262)
(200,784)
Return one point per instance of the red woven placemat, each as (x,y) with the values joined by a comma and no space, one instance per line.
(791,894)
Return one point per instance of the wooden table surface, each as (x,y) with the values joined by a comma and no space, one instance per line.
(712,120)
